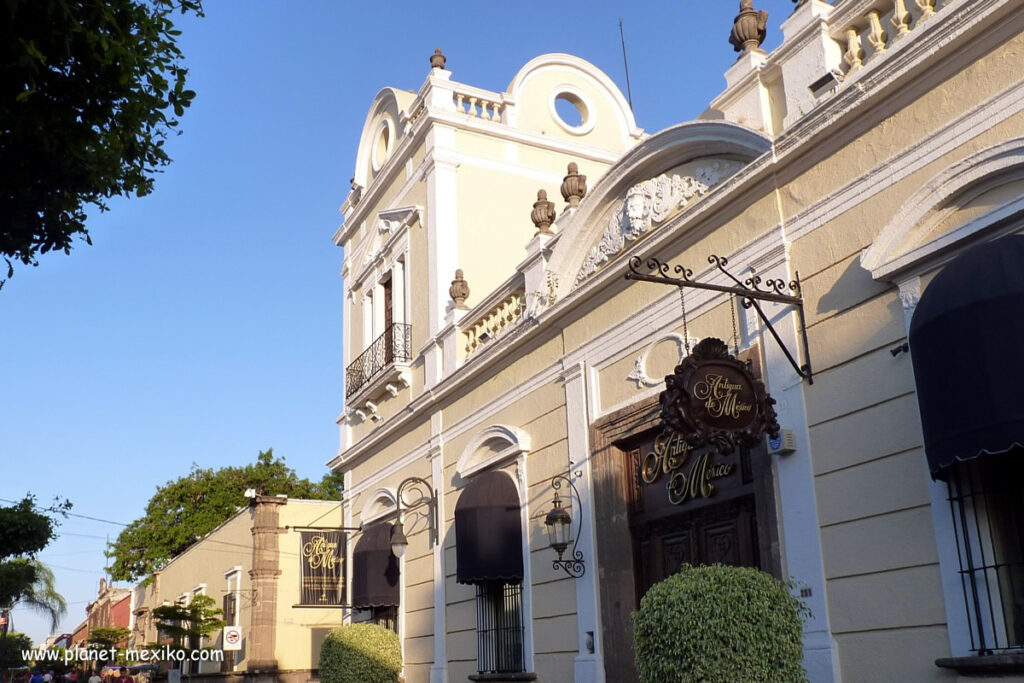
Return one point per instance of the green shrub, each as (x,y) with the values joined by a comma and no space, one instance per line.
(360,653)
(719,624)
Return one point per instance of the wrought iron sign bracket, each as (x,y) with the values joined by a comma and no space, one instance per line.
(749,292)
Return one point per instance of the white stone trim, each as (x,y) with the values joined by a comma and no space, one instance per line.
(588,665)
(516,443)
(639,373)
(588,72)
(380,504)
(979,172)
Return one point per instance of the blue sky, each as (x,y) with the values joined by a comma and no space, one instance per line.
(204,324)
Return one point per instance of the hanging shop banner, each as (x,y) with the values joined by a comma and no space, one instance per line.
(713,399)
(323,567)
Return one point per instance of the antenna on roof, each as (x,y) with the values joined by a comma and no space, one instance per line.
(629,93)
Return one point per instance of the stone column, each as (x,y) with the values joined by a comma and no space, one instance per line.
(264,573)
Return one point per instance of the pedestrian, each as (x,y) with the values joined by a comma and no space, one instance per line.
(95,678)
(38,677)
(125,676)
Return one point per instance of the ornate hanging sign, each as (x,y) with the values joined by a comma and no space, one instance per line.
(322,566)
(712,398)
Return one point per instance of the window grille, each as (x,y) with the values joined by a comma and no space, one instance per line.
(988,517)
(499,627)
(386,617)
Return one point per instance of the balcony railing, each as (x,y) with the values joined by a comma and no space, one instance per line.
(394,346)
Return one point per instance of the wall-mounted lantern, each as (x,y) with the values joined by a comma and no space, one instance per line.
(559,524)
(398,540)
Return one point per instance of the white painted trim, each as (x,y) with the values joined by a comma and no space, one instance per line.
(346,515)
(439,669)
(374,510)
(385,126)
(524,527)
(990,168)
(516,443)
(589,72)
(796,504)
(588,666)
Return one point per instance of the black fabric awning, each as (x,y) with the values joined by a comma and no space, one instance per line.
(488,531)
(374,569)
(967,338)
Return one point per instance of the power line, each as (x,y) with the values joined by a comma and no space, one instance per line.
(74,514)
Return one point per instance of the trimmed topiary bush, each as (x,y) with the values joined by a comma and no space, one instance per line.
(719,624)
(360,653)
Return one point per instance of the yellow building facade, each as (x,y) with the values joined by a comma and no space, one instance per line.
(493,344)
(251,566)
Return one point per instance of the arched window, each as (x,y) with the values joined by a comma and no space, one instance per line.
(375,576)
(966,337)
(489,555)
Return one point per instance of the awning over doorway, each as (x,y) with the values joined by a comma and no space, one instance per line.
(967,341)
(488,531)
(374,569)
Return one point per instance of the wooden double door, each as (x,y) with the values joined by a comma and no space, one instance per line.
(720,533)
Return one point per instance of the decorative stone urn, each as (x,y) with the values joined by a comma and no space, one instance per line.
(459,291)
(574,186)
(749,28)
(437,60)
(543,213)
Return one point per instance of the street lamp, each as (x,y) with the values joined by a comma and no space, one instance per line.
(559,524)
(399,542)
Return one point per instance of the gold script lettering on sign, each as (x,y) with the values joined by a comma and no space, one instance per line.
(670,453)
(697,481)
(721,397)
(319,553)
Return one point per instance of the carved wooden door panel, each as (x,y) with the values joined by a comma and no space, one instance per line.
(724,533)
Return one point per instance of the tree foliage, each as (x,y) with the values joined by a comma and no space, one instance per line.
(186,509)
(187,624)
(108,637)
(89,91)
(24,531)
(10,650)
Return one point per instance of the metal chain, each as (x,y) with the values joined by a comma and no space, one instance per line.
(686,334)
(735,335)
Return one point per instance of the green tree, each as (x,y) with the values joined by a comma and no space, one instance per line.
(106,638)
(88,94)
(24,531)
(186,509)
(187,625)
(11,646)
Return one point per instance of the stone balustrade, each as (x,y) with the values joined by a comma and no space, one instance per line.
(494,322)
(479,104)
(866,28)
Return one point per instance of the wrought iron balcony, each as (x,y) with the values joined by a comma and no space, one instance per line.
(394,346)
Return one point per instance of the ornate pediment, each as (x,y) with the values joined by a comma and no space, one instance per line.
(649,204)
